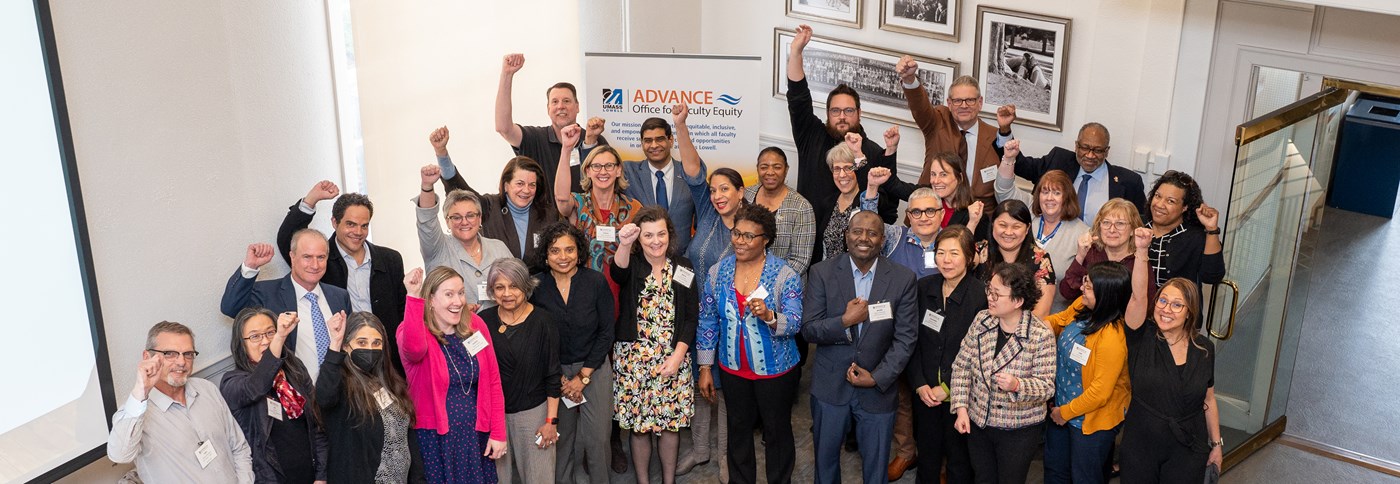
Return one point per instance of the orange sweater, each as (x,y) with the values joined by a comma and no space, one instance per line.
(1105,378)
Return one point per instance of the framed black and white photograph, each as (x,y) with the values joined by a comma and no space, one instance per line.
(869,70)
(845,13)
(936,19)
(1021,60)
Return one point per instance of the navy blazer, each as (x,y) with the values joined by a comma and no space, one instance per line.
(277,295)
(883,347)
(641,185)
(1122,182)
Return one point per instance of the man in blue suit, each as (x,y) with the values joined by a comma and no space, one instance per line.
(658,179)
(300,292)
(860,310)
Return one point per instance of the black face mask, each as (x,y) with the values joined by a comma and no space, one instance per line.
(366,359)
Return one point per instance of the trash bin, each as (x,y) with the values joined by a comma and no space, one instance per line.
(1367,174)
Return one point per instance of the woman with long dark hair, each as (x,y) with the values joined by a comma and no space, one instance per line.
(272,398)
(1011,241)
(369,418)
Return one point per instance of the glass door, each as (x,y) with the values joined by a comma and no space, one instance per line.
(1277,193)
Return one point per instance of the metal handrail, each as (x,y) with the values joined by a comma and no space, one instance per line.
(1288,115)
(1234,309)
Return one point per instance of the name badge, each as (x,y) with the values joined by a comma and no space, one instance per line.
(205,454)
(573,158)
(933,321)
(274,408)
(760,293)
(989,173)
(930,260)
(1079,354)
(475,343)
(481,294)
(382,396)
(880,311)
(684,276)
(571,404)
(605,233)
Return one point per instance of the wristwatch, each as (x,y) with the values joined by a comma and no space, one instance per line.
(1216,231)
(552,421)
(1219,442)
(585,379)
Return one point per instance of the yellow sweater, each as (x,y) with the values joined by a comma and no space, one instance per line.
(1104,401)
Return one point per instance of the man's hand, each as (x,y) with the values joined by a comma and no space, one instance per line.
(322,190)
(413,281)
(594,129)
(511,64)
(908,69)
(1005,116)
(569,136)
(859,377)
(679,113)
(628,234)
(259,254)
(857,311)
(1209,216)
(876,177)
(892,140)
(800,38)
(147,373)
(429,175)
(438,138)
(1142,238)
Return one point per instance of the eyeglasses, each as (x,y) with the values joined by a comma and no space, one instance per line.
(1109,224)
(993,295)
(602,166)
(840,111)
(1175,306)
(923,212)
(1091,149)
(839,169)
(259,337)
(745,237)
(456,219)
(966,101)
(170,355)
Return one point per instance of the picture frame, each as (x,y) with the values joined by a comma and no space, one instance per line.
(1021,59)
(881,96)
(935,19)
(846,13)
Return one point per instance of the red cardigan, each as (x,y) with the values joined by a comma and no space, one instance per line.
(426,367)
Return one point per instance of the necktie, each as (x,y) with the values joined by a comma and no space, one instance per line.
(661,198)
(962,151)
(318,321)
(1084,195)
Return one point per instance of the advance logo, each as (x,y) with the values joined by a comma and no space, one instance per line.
(612,101)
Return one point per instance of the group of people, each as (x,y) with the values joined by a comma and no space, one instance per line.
(648,296)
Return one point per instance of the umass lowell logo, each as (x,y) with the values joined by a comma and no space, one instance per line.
(612,100)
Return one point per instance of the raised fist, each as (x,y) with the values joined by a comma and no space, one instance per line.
(438,138)
(1142,238)
(286,322)
(679,112)
(1012,150)
(974,211)
(1005,116)
(511,63)
(628,234)
(801,37)
(853,141)
(908,69)
(877,176)
(413,281)
(1209,216)
(259,254)
(430,174)
(147,373)
(570,135)
(322,190)
(595,128)
(892,139)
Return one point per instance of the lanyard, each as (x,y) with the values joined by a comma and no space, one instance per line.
(1046,239)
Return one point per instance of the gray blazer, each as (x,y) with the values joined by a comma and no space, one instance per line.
(641,185)
(883,347)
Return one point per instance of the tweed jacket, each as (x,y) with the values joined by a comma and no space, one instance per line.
(1029,355)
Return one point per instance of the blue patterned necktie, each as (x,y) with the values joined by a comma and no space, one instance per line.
(661,196)
(1084,195)
(318,321)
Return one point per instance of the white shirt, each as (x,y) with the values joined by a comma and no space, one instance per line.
(1098,191)
(306,328)
(357,279)
(669,173)
(161,435)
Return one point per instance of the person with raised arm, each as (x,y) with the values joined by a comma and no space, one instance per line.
(1110,238)
(1096,180)
(602,206)
(1055,205)
(466,251)
(1185,232)
(541,143)
(1011,241)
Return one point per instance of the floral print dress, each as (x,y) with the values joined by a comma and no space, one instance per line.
(644,402)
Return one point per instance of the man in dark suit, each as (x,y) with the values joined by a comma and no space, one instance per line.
(300,292)
(1096,181)
(372,274)
(658,180)
(860,310)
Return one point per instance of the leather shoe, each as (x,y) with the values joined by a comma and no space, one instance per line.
(690,461)
(897,468)
(619,459)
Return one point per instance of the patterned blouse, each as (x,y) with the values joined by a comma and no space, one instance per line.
(834,238)
(797,229)
(588,218)
(1040,263)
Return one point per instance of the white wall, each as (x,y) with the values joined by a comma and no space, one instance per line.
(195,124)
(428,64)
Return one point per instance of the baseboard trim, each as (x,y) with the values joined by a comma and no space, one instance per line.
(1337,453)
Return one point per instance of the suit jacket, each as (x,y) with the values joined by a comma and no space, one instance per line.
(941,133)
(932,363)
(641,185)
(497,222)
(277,295)
(883,347)
(247,395)
(385,281)
(1122,182)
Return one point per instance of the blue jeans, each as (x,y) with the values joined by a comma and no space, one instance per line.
(1071,456)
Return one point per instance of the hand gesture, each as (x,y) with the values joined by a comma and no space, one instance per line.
(1209,216)
(571,388)
(430,174)
(413,281)
(962,424)
(1006,382)
(595,128)
(259,254)
(679,112)
(892,139)
(706,385)
(336,328)
(511,64)
(1007,168)
(931,396)
(759,308)
(907,68)
(859,377)
(336,320)
(286,322)
(570,136)
(853,141)
(876,177)
(974,211)
(322,190)
(147,373)
(495,449)
(1142,238)
(628,234)
(438,138)
(1005,116)
(548,434)
(857,310)
(800,38)
(1056,417)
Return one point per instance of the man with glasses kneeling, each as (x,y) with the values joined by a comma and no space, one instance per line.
(189,436)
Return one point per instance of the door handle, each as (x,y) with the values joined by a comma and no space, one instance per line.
(1234,308)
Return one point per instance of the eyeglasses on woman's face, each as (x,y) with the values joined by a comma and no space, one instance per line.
(1174,306)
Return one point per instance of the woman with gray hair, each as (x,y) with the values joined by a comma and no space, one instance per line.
(470,253)
(527,349)
(834,213)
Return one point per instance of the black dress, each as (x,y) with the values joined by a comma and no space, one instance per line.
(1165,438)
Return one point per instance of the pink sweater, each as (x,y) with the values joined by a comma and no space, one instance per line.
(426,367)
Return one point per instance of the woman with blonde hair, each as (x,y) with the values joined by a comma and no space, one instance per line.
(1110,238)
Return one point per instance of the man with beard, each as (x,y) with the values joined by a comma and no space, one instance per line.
(814,138)
(859,308)
(539,143)
(956,128)
(189,435)
(658,179)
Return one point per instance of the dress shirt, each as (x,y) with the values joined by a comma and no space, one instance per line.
(357,274)
(1098,191)
(669,172)
(306,336)
(162,440)
(864,281)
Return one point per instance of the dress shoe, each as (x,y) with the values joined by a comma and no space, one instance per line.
(690,460)
(898,466)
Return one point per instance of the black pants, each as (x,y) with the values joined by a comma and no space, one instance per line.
(747,400)
(936,440)
(1157,457)
(1004,456)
